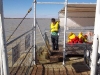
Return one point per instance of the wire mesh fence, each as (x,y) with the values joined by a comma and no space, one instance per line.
(20,52)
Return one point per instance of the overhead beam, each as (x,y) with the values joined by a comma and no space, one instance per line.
(50,2)
(75,11)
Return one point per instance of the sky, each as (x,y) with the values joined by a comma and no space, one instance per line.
(19,8)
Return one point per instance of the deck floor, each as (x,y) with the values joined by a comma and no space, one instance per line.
(73,66)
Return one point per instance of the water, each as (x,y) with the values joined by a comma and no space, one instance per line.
(44,23)
(11,24)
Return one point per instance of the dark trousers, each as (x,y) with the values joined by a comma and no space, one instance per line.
(54,40)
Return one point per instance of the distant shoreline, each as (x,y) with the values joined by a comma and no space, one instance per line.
(31,18)
(27,18)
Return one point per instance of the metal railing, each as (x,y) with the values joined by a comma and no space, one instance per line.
(18,37)
(16,45)
(19,51)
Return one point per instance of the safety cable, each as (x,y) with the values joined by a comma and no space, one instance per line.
(19,24)
(42,35)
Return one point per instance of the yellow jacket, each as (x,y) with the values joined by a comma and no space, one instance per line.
(54,27)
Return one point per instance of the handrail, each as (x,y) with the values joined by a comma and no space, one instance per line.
(44,38)
(17,37)
(47,42)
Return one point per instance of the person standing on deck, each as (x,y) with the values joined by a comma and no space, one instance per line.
(54,34)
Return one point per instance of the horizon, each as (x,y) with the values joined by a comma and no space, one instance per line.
(29,18)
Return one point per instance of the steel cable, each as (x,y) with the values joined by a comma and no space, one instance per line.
(19,23)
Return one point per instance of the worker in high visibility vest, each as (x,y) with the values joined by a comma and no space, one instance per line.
(54,34)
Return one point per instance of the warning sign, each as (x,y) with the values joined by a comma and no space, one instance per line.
(15,53)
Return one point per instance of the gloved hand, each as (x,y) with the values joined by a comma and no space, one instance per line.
(58,34)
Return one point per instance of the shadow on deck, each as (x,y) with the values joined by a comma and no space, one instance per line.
(73,66)
(52,65)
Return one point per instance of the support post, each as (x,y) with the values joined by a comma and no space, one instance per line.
(94,55)
(3,50)
(96,39)
(65,25)
(34,34)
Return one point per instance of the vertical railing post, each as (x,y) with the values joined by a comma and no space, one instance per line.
(3,49)
(65,25)
(94,55)
(34,34)
(96,42)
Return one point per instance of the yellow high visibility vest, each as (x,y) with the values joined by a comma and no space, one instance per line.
(54,28)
